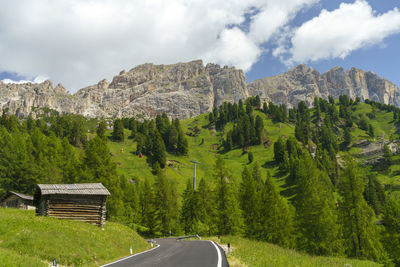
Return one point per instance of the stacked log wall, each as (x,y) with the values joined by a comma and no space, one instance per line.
(89,209)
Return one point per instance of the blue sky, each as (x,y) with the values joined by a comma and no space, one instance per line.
(78,43)
(382,58)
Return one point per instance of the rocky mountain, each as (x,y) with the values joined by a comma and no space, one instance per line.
(303,84)
(185,90)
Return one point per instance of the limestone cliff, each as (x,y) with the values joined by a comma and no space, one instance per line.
(303,83)
(185,90)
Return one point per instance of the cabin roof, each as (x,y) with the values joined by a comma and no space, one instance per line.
(23,196)
(73,189)
(20,195)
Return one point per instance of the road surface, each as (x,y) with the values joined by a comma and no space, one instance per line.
(173,253)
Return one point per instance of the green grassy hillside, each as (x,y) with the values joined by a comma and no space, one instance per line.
(204,148)
(28,240)
(252,253)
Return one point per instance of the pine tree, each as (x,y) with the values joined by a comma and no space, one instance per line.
(206,209)
(148,208)
(98,166)
(391,235)
(101,129)
(118,132)
(371,131)
(316,216)
(158,151)
(189,212)
(163,204)
(249,202)
(228,214)
(250,157)
(277,225)
(358,219)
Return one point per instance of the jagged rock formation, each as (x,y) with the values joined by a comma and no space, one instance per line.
(181,90)
(303,84)
(185,90)
(22,99)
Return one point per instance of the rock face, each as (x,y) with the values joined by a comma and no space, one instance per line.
(185,90)
(181,90)
(303,84)
(22,99)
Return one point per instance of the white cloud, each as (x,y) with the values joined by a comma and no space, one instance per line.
(273,15)
(335,34)
(38,79)
(79,42)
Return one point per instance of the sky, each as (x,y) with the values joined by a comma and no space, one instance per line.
(79,42)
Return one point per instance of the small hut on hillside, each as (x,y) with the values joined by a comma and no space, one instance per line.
(17,200)
(80,202)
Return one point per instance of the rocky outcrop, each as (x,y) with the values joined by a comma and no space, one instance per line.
(303,83)
(185,90)
(22,99)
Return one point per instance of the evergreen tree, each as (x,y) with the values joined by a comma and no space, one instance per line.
(206,209)
(277,225)
(148,209)
(346,137)
(371,131)
(118,132)
(228,214)
(249,202)
(98,166)
(158,151)
(374,194)
(360,232)
(101,129)
(189,212)
(250,157)
(163,204)
(316,216)
(391,235)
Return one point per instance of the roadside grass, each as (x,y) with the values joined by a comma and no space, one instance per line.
(37,240)
(247,252)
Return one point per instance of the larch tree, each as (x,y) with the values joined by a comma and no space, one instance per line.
(358,219)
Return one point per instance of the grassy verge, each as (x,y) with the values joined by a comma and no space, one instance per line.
(253,253)
(28,240)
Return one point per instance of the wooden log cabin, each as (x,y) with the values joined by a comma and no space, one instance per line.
(17,200)
(80,202)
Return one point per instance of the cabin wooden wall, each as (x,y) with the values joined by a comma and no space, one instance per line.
(84,208)
(14,201)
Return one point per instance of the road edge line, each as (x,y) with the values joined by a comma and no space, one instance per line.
(219,254)
(130,256)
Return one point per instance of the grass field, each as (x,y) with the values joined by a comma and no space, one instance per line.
(261,254)
(28,240)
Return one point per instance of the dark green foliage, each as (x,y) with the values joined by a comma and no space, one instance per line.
(206,209)
(346,137)
(358,219)
(391,236)
(166,211)
(118,132)
(101,129)
(148,209)
(250,157)
(374,194)
(250,203)
(276,216)
(189,213)
(316,216)
(371,131)
(228,214)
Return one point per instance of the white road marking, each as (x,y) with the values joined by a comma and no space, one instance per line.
(130,256)
(219,264)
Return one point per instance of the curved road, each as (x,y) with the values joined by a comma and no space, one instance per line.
(173,253)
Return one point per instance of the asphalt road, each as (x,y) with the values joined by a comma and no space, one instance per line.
(173,253)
